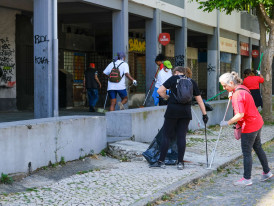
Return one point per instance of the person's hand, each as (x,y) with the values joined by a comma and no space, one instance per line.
(258,72)
(224,123)
(154,79)
(205,118)
(134,82)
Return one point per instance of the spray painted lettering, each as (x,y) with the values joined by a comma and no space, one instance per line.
(41,60)
(137,45)
(210,68)
(40,39)
(179,60)
(7,63)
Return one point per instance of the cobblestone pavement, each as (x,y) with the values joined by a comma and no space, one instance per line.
(219,190)
(127,183)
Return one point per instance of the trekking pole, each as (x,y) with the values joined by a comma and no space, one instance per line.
(260,62)
(105,101)
(199,122)
(206,147)
(151,86)
(215,96)
(214,151)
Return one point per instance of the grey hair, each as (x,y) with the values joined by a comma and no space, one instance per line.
(226,78)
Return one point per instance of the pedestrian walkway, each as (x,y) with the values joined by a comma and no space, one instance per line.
(128,183)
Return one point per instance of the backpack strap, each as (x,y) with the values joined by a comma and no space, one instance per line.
(242,89)
(118,68)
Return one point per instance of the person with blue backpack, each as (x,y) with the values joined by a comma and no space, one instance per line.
(178,113)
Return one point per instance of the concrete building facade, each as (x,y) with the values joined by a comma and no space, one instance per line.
(46,45)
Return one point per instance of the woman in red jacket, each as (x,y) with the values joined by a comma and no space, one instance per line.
(252,82)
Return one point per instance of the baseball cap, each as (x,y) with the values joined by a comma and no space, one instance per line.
(168,64)
(92,65)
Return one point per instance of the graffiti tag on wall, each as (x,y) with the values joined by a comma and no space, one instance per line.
(179,60)
(210,68)
(41,60)
(137,45)
(7,63)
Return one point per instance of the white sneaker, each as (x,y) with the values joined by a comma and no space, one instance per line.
(243,182)
(121,106)
(266,176)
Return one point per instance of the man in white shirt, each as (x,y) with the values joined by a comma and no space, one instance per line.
(118,87)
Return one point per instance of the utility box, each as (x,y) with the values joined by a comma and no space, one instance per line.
(65,89)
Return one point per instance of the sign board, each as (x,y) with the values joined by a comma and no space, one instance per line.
(169,50)
(164,38)
(244,49)
(255,53)
(228,45)
(192,53)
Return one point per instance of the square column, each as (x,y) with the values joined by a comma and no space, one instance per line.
(181,45)
(212,64)
(120,36)
(153,48)
(236,58)
(44,61)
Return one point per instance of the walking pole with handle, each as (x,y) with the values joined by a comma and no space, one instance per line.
(206,147)
(105,101)
(214,151)
(150,86)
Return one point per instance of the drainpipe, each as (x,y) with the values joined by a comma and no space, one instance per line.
(55,60)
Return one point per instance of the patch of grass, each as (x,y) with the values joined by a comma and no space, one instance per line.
(269,123)
(103,153)
(6,179)
(124,159)
(84,172)
(166,197)
(34,189)
(62,161)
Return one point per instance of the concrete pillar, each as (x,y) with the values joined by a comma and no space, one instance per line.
(120,35)
(181,45)
(236,58)
(153,48)
(43,22)
(120,29)
(250,53)
(212,64)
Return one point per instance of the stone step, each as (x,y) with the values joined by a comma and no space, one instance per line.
(117,139)
(127,150)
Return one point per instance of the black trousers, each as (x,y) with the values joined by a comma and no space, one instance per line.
(249,141)
(173,128)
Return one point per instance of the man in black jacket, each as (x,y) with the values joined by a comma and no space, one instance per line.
(92,83)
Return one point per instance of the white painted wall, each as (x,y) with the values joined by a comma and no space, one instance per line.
(7,52)
(42,140)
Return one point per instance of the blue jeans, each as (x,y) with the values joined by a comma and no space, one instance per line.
(155,96)
(249,141)
(92,97)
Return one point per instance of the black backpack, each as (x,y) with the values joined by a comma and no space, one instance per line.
(184,90)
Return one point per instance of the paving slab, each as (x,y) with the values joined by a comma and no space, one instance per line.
(129,183)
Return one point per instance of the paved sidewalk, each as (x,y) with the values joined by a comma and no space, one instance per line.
(127,183)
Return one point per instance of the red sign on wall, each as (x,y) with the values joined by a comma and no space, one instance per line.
(255,53)
(164,38)
(244,49)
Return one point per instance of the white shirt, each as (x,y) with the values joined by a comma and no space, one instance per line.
(123,68)
(163,76)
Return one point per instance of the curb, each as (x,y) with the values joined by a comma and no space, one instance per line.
(177,185)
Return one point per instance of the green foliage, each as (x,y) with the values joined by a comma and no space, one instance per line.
(5,179)
(103,153)
(62,161)
(232,5)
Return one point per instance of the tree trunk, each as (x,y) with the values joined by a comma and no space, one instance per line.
(266,67)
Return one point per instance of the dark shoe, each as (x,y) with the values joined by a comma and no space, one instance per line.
(91,109)
(158,164)
(180,166)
